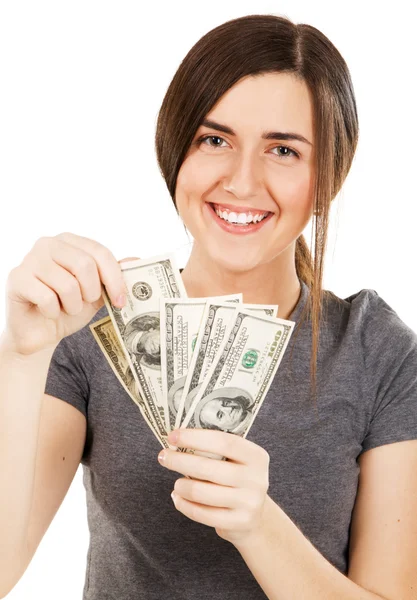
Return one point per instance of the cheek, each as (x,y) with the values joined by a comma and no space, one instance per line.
(188,190)
(186,182)
(195,179)
(296,193)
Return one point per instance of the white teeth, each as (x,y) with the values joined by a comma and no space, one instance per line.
(241,218)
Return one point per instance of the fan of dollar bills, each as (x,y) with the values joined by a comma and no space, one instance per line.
(190,362)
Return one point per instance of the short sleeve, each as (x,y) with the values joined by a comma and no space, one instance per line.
(391,370)
(66,378)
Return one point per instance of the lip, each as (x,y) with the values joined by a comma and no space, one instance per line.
(237,229)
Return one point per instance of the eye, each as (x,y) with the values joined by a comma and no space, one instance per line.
(207,138)
(290,152)
(210,137)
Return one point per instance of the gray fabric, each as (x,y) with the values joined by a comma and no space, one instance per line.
(142,548)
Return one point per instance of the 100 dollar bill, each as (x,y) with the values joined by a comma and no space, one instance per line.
(215,327)
(180,323)
(238,382)
(109,343)
(137,325)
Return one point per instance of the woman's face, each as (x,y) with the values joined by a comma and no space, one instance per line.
(245,171)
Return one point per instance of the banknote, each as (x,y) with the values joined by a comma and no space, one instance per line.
(137,325)
(180,323)
(238,381)
(270,310)
(215,321)
(109,343)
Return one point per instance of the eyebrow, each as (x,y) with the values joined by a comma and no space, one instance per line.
(267,135)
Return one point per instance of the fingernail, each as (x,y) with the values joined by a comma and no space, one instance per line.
(173,437)
(161,456)
(121,300)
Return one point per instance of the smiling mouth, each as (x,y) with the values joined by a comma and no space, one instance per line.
(239,227)
(240,216)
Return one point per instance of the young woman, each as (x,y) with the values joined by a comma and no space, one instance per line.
(320,501)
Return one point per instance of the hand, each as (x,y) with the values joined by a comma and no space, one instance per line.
(57,289)
(227,495)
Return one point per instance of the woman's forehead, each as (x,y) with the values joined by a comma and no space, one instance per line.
(271,102)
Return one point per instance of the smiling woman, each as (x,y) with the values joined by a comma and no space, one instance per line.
(263,82)
(256,134)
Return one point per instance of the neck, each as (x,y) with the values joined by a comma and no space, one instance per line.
(273,283)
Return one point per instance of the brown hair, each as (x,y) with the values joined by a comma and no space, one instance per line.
(254,45)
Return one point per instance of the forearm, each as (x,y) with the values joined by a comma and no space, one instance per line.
(22,384)
(287,566)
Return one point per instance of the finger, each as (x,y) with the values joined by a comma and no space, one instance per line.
(109,270)
(233,447)
(204,469)
(206,515)
(63,283)
(207,493)
(128,259)
(36,293)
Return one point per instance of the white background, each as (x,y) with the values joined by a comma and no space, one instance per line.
(81,84)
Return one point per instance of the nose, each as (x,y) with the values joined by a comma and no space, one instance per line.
(227,410)
(243,178)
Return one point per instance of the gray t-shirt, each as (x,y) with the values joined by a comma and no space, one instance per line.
(142,548)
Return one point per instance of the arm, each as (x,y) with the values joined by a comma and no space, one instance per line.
(286,565)
(231,497)
(36,432)
(22,381)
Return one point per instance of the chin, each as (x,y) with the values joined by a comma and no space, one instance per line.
(235,264)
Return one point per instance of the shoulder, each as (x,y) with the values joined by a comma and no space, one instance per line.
(368,307)
(373,329)
(368,314)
